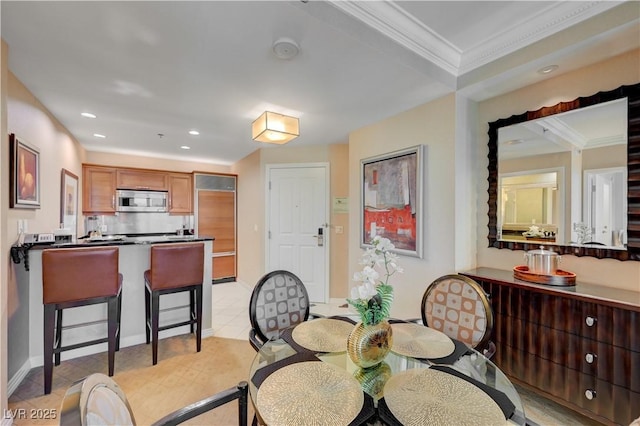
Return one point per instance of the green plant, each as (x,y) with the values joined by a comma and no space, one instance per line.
(373,298)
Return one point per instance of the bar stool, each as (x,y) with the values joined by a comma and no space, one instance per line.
(174,268)
(79,277)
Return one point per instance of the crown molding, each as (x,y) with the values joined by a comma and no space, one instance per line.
(545,23)
(402,27)
(390,19)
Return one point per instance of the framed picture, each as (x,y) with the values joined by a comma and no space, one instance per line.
(69,201)
(24,174)
(391,199)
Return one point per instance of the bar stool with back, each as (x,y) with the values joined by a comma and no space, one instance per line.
(174,268)
(76,277)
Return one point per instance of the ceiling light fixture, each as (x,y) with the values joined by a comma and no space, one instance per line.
(194,132)
(548,69)
(98,135)
(88,115)
(272,127)
(185,147)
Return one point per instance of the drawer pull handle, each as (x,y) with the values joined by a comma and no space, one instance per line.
(590,321)
(590,358)
(590,394)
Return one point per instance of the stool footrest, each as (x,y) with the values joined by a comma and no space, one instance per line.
(80,345)
(178,324)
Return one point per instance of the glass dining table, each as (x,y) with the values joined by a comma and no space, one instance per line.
(307,377)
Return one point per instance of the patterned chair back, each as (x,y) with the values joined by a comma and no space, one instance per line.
(279,301)
(459,307)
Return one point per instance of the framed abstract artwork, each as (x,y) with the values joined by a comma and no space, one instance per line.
(391,199)
(24,174)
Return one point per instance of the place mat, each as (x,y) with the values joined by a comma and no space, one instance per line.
(418,341)
(262,373)
(323,335)
(310,393)
(432,397)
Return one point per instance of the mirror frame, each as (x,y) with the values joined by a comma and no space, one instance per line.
(632,93)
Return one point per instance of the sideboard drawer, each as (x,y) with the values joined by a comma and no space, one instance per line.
(582,392)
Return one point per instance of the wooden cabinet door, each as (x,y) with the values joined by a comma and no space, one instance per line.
(142,179)
(180,193)
(217,219)
(98,189)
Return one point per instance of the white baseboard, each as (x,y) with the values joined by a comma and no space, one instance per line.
(17,378)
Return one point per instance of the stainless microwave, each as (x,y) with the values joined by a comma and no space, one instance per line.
(141,201)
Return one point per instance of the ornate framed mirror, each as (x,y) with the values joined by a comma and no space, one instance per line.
(564,213)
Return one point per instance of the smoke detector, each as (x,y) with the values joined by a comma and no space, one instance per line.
(285,48)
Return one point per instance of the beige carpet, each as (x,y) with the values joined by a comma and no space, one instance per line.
(181,377)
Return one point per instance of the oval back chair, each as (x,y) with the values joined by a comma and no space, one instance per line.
(459,307)
(279,301)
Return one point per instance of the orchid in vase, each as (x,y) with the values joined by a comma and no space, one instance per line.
(372,299)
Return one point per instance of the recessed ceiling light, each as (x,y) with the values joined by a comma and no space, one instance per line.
(98,135)
(88,115)
(548,69)
(185,147)
(194,132)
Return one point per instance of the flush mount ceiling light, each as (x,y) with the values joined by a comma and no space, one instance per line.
(272,127)
(88,115)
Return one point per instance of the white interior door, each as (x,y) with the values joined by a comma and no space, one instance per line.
(297,214)
(602,205)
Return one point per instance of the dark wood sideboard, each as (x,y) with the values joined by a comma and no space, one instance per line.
(578,346)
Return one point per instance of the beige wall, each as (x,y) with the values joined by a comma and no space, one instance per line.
(5,263)
(621,70)
(433,125)
(251,207)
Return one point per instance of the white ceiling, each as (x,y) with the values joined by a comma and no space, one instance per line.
(147,68)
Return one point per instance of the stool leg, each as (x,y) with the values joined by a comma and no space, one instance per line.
(147,312)
(118,320)
(49,327)
(192,308)
(155,316)
(58,337)
(199,317)
(112,328)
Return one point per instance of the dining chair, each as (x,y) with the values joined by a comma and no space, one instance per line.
(279,301)
(98,400)
(459,307)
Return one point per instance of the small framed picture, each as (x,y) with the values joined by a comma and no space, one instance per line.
(24,174)
(69,201)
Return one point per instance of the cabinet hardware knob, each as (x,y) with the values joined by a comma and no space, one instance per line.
(590,394)
(590,321)
(590,357)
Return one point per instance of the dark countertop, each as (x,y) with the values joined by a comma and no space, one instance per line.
(111,240)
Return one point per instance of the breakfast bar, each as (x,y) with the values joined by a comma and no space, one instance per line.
(89,322)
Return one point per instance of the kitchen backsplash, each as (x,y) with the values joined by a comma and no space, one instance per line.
(137,223)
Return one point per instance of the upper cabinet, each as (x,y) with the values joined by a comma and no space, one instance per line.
(98,189)
(180,193)
(99,185)
(142,179)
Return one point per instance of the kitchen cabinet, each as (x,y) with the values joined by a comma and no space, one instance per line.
(180,193)
(142,179)
(578,346)
(98,189)
(216,217)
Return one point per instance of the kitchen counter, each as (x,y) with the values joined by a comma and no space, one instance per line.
(134,259)
(121,240)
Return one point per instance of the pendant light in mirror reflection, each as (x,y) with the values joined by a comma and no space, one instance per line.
(272,127)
